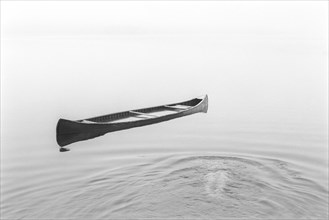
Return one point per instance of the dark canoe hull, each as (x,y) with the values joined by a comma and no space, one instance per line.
(68,132)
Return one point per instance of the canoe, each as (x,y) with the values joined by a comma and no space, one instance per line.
(68,132)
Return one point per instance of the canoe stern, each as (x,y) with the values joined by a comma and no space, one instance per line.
(205,104)
(68,132)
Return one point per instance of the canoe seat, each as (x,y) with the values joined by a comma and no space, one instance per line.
(87,121)
(145,115)
(178,107)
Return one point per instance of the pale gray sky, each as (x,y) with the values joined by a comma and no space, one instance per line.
(255,58)
(299,19)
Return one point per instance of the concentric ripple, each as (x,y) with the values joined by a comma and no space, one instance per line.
(202,187)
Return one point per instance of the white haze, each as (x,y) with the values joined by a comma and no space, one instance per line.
(257,60)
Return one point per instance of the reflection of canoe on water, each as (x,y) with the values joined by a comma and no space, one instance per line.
(72,131)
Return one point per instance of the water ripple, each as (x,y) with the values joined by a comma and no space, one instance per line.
(206,186)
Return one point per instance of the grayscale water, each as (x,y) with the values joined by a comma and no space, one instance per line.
(261,151)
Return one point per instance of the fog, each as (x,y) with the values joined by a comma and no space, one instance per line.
(256,60)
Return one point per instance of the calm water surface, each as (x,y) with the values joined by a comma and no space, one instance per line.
(194,167)
(261,151)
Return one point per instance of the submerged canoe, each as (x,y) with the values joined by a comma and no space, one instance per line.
(68,132)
